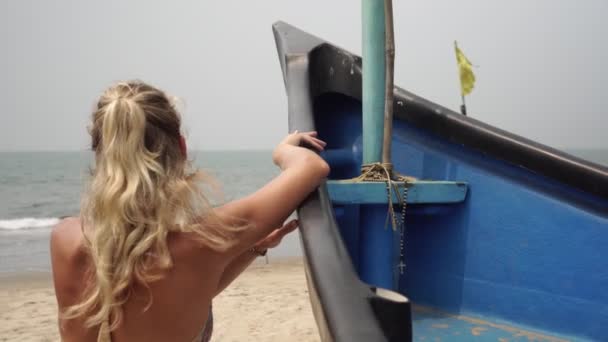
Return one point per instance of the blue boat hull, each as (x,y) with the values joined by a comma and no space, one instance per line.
(523,256)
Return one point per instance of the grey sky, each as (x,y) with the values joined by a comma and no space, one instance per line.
(542,64)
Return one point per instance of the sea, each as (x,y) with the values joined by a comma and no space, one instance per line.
(37,188)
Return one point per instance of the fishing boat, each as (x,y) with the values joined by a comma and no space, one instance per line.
(503,239)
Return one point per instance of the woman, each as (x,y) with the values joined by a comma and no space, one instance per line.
(148,252)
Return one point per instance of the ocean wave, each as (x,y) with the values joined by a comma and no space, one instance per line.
(28,223)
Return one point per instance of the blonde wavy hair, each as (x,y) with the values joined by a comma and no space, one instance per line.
(141,189)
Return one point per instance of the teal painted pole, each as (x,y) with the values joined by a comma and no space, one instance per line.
(376,251)
(373,79)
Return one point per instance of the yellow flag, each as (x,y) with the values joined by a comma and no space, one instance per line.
(467,78)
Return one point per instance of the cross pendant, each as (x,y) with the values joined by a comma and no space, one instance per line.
(401,266)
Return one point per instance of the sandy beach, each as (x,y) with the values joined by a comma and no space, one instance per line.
(266,303)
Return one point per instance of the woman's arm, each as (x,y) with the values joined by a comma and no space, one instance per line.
(238,265)
(303,170)
(234,269)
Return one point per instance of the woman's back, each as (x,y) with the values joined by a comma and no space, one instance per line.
(180,300)
(148,252)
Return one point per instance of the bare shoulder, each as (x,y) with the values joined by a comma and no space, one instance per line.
(69,262)
(66,238)
(68,259)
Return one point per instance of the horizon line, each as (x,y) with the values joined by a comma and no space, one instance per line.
(193,150)
(565,149)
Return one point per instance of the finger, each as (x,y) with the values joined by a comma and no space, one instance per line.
(288,229)
(291,223)
(310,134)
(317,146)
(322,145)
(320,141)
(313,144)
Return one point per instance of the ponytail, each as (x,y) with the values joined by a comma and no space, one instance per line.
(139,192)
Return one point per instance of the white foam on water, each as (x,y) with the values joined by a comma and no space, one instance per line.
(28,223)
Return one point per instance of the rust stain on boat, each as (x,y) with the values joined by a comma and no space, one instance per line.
(476,331)
(516,332)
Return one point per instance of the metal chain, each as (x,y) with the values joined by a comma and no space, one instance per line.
(402,264)
(383,172)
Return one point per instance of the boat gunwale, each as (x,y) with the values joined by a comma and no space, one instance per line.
(352,312)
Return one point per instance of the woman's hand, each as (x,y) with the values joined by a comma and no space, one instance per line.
(305,138)
(295,142)
(274,238)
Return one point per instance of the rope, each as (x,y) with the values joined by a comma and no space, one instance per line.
(383,172)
